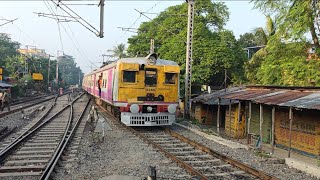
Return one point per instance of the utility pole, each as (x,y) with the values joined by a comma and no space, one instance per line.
(57,68)
(151,46)
(57,71)
(101,17)
(79,77)
(189,59)
(26,66)
(49,71)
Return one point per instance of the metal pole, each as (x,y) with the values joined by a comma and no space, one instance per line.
(57,70)
(290,131)
(101,17)
(49,72)
(189,59)
(272,128)
(261,123)
(151,46)
(218,116)
(249,122)
(79,77)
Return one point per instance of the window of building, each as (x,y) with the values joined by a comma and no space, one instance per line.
(171,78)
(129,76)
(151,77)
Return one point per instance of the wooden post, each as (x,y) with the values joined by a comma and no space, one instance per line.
(230,117)
(239,118)
(290,131)
(249,122)
(261,123)
(207,113)
(272,128)
(218,116)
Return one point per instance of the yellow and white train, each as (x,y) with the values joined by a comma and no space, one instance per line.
(140,91)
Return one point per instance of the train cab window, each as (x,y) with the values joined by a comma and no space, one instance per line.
(151,77)
(129,76)
(170,78)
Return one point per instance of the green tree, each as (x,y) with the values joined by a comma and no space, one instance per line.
(247,40)
(68,71)
(214,49)
(262,37)
(8,51)
(119,51)
(294,18)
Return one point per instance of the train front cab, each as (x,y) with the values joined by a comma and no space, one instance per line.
(148,94)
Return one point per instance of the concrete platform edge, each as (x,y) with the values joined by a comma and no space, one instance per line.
(217,139)
(315,171)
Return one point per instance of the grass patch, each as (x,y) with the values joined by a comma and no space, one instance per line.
(262,154)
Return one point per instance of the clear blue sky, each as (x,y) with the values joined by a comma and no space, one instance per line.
(42,32)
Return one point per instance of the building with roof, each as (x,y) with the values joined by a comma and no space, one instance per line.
(286,117)
(34,52)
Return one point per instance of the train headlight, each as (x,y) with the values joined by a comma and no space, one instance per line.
(172,108)
(134,108)
(149,109)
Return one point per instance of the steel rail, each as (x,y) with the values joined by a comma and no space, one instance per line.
(214,153)
(67,136)
(4,129)
(186,166)
(4,152)
(240,165)
(6,133)
(24,107)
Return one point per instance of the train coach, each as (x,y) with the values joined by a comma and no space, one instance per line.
(140,91)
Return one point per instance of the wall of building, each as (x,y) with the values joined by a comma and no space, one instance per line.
(255,121)
(305,130)
(233,127)
(205,114)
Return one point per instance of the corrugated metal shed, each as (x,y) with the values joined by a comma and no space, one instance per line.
(298,98)
(212,98)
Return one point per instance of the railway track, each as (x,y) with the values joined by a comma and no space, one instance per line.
(36,151)
(15,107)
(15,102)
(200,161)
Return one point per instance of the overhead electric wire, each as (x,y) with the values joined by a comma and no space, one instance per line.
(57,4)
(52,12)
(75,43)
(137,20)
(72,40)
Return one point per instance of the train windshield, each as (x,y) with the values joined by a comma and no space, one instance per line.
(129,76)
(151,77)
(171,78)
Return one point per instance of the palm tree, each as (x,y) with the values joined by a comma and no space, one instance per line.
(263,35)
(118,51)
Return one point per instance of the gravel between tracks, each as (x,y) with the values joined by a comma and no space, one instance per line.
(121,153)
(15,120)
(280,171)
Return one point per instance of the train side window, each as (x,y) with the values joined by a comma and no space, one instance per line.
(151,77)
(129,76)
(170,78)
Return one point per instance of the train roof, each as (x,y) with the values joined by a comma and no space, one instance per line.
(139,60)
(143,60)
